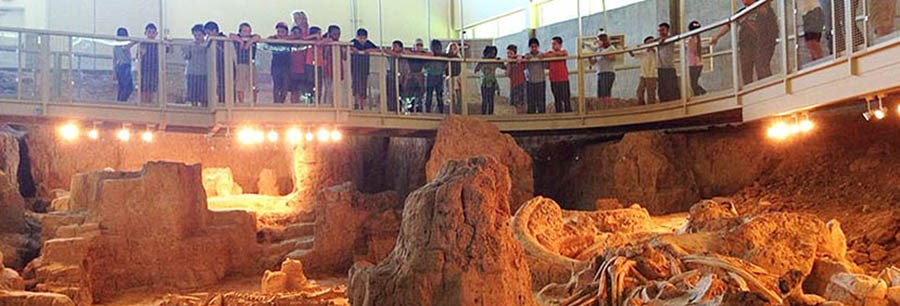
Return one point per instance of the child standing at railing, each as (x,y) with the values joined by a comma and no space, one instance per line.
(647,86)
(212,30)
(359,67)
(435,71)
(122,63)
(298,87)
(313,69)
(516,73)
(245,55)
(695,64)
(489,84)
(606,70)
(536,90)
(559,77)
(195,70)
(455,82)
(149,54)
(281,64)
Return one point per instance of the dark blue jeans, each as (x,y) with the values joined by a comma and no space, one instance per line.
(126,84)
(434,85)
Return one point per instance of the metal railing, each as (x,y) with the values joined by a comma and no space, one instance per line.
(767,42)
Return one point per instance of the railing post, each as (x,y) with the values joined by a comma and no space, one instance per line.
(211,73)
(229,77)
(463,88)
(336,63)
(582,107)
(162,90)
(735,62)
(849,47)
(795,11)
(45,67)
(397,100)
(784,45)
(685,74)
(382,85)
(317,71)
(20,48)
(449,90)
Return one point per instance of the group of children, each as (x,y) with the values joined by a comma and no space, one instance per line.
(305,72)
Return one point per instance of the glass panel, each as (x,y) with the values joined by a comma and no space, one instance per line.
(9,65)
(810,23)
(186,75)
(883,19)
(759,47)
(711,70)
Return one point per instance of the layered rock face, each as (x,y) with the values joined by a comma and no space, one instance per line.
(456,246)
(665,173)
(461,137)
(148,228)
(15,240)
(351,225)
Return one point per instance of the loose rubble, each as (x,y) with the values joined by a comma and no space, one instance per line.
(721,258)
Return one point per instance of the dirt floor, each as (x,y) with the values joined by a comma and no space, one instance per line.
(242,285)
(848,170)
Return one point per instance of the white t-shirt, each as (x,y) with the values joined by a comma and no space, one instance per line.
(606,64)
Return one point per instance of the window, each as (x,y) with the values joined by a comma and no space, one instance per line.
(498,27)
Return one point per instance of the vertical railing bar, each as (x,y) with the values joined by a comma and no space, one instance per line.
(685,74)
(382,85)
(317,91)
(162,92)
(19,53)
(71,70)
(396,75)
(784,38)
(833,30)
(735,63)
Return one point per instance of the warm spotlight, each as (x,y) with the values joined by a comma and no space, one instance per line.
(336,136)
(323,135)
(249,136)
(779,131)
(879,113)
(294,135)
(310,136)
(93,134)
(147,136)
(272,136)
(124,134)
(806,125)
(69,131)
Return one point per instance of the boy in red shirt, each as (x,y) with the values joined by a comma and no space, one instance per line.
(515,70)
(559,77)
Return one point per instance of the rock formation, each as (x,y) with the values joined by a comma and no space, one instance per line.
(560,242)
(724,259)
(347,226)
(9,278)
(289,279)
(461,137)
(17,237)
(220,182)
(664,172)
(456,246)
(268,183)
(137,229)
